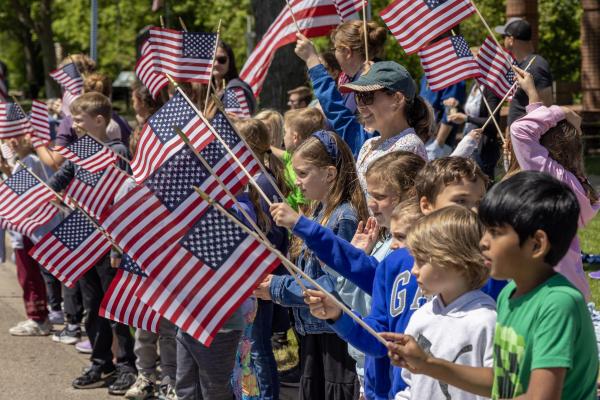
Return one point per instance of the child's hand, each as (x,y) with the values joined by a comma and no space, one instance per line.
(451,102)
(526,83)
(263,290)
(114,262)
(457,118)
(321,306)
(572,117)
(306,51)
(475,134)
(284,215)
(405,352)
(366,235)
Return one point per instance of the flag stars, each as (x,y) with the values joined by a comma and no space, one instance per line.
(177,112)
(74,230)
(21,181)
(85,147)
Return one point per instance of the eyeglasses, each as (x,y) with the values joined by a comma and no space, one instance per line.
(368,98)
(221,59)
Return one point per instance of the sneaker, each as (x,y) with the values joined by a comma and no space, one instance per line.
(56,317)
(31,328)
(126,377)
(94,378)
(84,347)
(67,336)
(167,392)
(142,389)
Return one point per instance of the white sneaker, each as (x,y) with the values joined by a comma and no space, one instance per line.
(142,389)
(31,328)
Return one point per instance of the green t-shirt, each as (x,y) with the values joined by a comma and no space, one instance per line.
(295,198)
(549,327)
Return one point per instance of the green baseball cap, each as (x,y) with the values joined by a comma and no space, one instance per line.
(384,75)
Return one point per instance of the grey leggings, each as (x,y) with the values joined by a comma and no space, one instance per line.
(145,351)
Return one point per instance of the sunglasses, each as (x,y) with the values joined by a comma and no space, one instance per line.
(221,59)
(368,98)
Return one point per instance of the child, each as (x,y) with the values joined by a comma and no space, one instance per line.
(441,183)
(326,174)
(390,179)
(91,114)
(458,324)
(544,342)
(548,139)
(274,122)
(404,217)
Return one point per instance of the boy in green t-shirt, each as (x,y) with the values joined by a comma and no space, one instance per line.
(544,342)
(298,126)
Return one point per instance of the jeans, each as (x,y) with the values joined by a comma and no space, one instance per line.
(145,351)
(262,352)
(53,290)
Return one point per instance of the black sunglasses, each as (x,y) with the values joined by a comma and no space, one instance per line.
(221,59)
(368,98)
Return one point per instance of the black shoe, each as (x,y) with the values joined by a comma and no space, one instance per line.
(290,377)
(94,377)
(126,377)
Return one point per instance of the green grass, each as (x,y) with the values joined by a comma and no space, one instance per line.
(592,165)
(590,243)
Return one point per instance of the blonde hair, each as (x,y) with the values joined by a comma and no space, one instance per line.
(274,122)
(449,238)
(304,121)
(351,35)
(397,170)
(93,104)
(407,212)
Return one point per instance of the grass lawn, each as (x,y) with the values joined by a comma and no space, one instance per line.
(590,243)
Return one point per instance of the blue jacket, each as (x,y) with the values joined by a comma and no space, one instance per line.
(342,120)
(286,292)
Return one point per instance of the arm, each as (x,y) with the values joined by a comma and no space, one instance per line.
(61,179)
(49,157)
(468,144)
(545,384)
(285,291)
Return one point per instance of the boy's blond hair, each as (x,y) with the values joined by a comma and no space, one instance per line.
(93,104)
(304,121)
(407,212)
(449,238)
(274,122)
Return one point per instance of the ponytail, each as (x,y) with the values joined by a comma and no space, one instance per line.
(419,117)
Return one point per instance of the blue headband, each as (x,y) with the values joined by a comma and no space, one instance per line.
(328,141)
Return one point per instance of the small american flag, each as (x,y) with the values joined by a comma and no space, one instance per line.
(31,223)
(95,192)
(69,78)
(88,153)
(235,102)
(120,302)
(415,23)
(447,62)
(7,151)
(210,271)
(40,124)
(186,56)
(13,121)
(71,249)
(21,195)
(67,99)
(496,71)
(159,140)
(349,9)
(145,71)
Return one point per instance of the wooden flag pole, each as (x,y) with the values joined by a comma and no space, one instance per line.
(293,16)
(366,34)
(506,56)
(76,204)
(489,109)
(292,266)
(162,22)
(506,96)
(216,134)
(212,65)
(182,25)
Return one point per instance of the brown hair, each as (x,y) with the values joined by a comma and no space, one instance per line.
(304,92)
(274,122)
(407,211)
(304,121)
(96,82)
(398,170)
(439,173)
(143,95)
(419,117)
(351,34)
(134,139)
(449,238)
(93,104)
(346,187)
(85,65)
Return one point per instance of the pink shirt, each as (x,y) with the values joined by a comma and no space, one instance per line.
(531,155)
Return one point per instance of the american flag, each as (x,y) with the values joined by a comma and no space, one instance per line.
(27,226)
(235,102)
(67,99)
(496,71)
(145,71)
(210,271)
(314,17)
(69,78)
(415,23)
(152,216)
(40,124)
(7,151)
(159,139)
(95,192)
(349,9)
(120,303)
(88,153)
(186,56)
(21,195)
(71,249)
(13,121)
(447,62)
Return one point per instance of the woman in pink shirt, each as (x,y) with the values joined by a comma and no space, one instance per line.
(548,139)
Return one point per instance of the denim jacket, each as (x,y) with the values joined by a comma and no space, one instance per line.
(286,292)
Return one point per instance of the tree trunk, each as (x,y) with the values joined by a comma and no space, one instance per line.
(29,51)
(528,10)
(287,70)
(43,28)
(590,55)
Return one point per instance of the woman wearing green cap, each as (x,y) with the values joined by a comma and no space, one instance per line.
(387,102)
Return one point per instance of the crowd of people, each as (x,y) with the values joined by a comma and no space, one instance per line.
(469,271)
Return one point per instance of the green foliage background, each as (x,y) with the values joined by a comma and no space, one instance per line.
(120,20)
